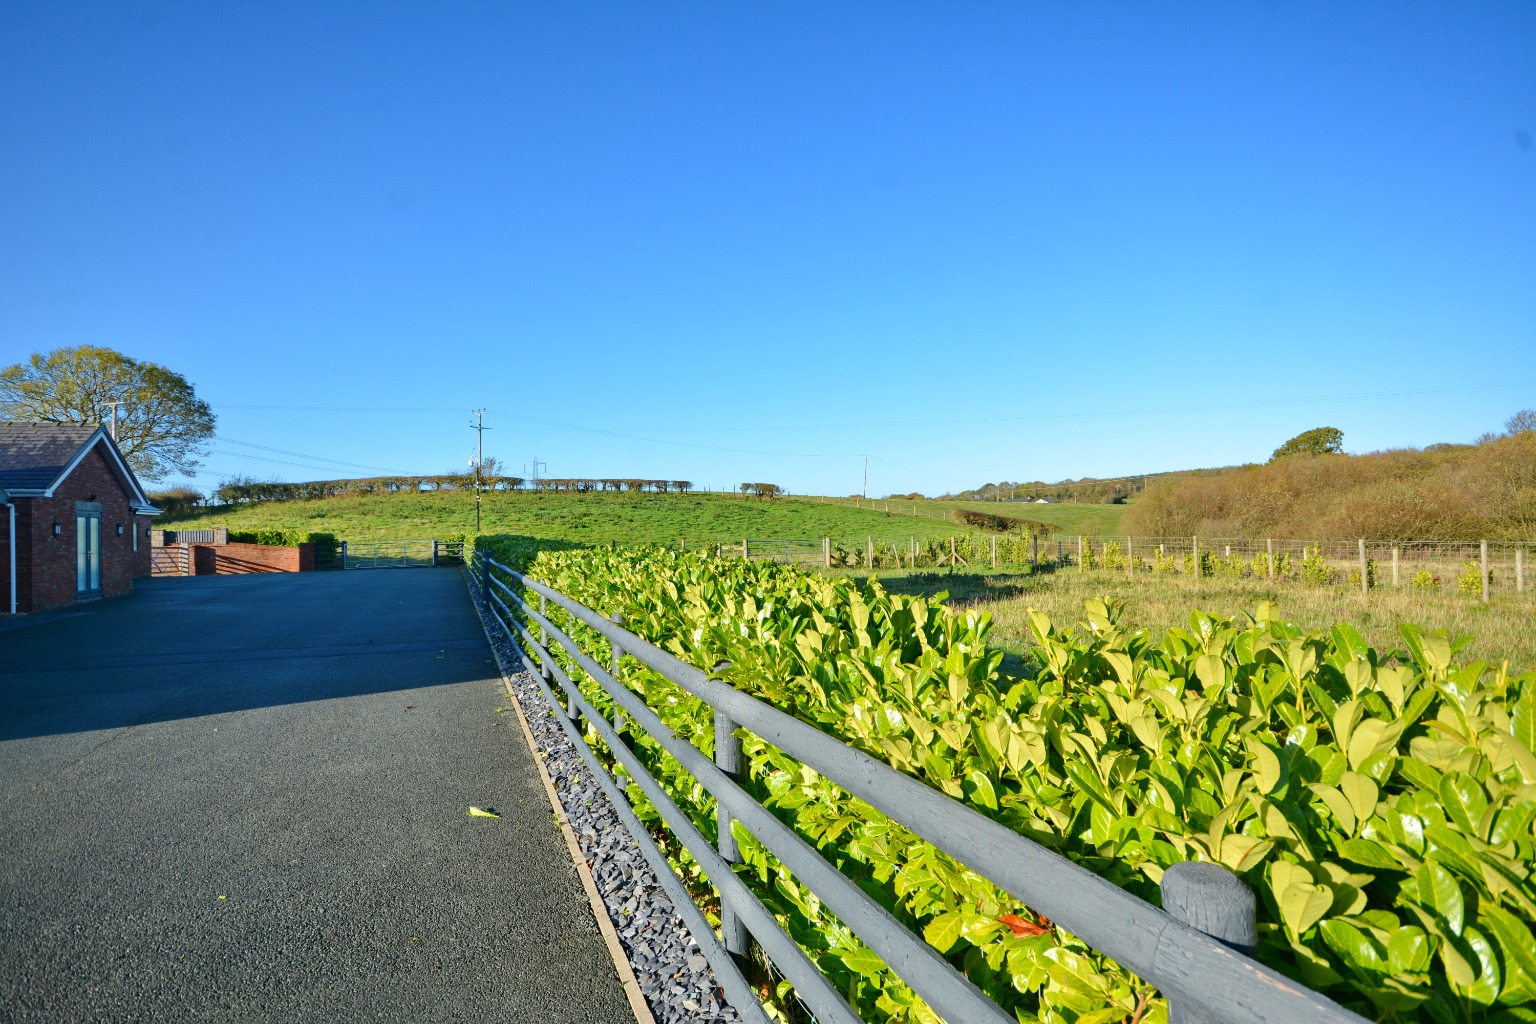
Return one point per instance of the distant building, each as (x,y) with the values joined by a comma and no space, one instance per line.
(75,523)
(1044,501)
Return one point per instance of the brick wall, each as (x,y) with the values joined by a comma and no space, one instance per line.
(46,564)
(236,559)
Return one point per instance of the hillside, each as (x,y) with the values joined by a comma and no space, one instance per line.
(595,517)
(1486,490)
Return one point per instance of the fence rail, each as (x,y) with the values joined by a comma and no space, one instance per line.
(1203,978)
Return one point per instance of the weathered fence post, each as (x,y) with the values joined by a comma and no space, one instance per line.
(1130,557)
(343,554)
(1034,550)
(912,548)
(1365,579)
(733,933)
(1082,564)
(869,552)
(1210,899)
(1483,564)
(434,552)
(1394,565)
(1194,544)
(746,548)
(826,552)
(1269,549)
(618,713)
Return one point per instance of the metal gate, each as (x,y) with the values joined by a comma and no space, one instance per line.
(400,554)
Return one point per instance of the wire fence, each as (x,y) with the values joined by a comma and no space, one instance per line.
(1479,568)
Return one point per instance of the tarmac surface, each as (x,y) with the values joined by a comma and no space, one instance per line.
(243,798)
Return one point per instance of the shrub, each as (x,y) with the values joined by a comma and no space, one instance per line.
(1471,579)
(1315,568)
(1425,580)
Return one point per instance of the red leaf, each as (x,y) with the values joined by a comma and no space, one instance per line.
(1021,927)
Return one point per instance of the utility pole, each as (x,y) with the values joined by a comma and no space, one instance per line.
(114,406)
(866,476)
(533,471)
(479,428)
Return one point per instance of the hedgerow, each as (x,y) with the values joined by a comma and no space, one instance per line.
(1381,806)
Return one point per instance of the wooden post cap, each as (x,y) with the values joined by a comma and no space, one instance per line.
(1211,899)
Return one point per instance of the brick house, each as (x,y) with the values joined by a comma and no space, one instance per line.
(74,521)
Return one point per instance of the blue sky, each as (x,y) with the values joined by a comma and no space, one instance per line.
(727,242)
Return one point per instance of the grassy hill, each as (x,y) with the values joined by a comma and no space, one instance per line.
(627,517)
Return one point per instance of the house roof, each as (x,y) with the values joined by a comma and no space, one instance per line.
(36,457)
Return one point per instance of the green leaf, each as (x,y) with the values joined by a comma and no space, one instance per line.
(944,931)
(1369,853)
(1409,951)
(1437,890)
(1485,989)
(1361,792)
(1464,801)
(981,789)
(862,961)
(1354,946)
(1266,767)
(1302,905)
(476,812)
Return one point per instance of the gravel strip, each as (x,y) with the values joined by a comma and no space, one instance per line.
(676,980)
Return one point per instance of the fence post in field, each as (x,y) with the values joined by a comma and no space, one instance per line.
(1081,566)
(1519,570)
(343,554)
(1210,899)
(912,548)
(1394,565)
(1130,556)
(746,548)
(434,551)
(733,933)
(1269,549)
(826,552)
(994,552)
(1229,552)
(1483,563)
(1365,579)
(682,543)
(869,551)
(1194,546)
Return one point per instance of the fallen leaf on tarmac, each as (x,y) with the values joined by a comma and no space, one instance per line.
(409,706)
(476,812)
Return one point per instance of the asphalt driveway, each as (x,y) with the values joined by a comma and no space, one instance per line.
(244,799)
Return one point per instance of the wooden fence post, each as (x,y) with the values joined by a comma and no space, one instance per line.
(1365,579)
(1081,565)
(1034,550)
(618,713)
(1394,565)
(1194,543)
(1130,556)
(826,552)
(912,547)
(733,933)
(1269,549)
(746,548)
(1210,899)
(1519,570)
(343,555)
(869,551)
(1483,561)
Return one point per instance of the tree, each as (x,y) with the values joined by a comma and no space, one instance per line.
(161,427)
(1321,441)
(1522,422)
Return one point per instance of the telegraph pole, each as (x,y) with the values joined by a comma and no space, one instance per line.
(479,428)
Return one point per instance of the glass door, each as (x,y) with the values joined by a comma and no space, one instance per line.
(87,554)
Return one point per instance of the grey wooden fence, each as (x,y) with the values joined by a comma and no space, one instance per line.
(1203,976)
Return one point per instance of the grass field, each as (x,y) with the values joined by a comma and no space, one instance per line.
(1503,628)
(1506,628)
(597,517)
